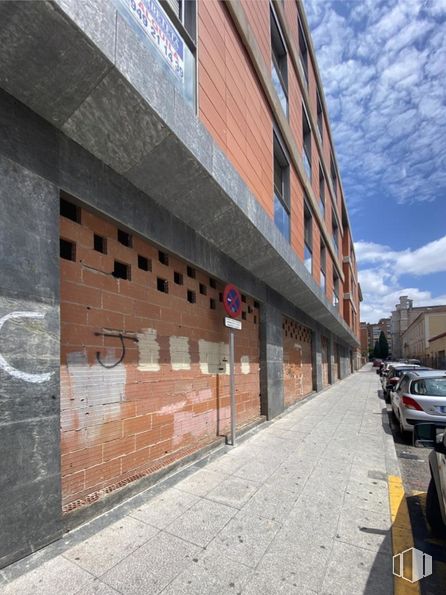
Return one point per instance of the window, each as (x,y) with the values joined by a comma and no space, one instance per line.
(212,283)
(70,210)
(335,231)
(144,263)
(124,238)
(321,192)
(303,51)
(279,72)
(203,289)
(281,189)
(334,176)
(99,244)
(163,258)
(67,249)
(177,278)
(191,272)
(121,270)
(308,238)
(191,296)
(335,290)
(323,267)
(320,118)
(162,285)
(306,131)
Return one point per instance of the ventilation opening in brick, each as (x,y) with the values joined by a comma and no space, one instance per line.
(121,270)
(255,319)
(162,285)
(100,244)
(249,310)
(243,298)
(212,283)
(124,238)
(67,250)
(191,296)
(212,304)
(256,305)
(144,263)
(163,258)
(243,315)
(203,289)
(69,210)
(178,278)
(220,297)
(191,272)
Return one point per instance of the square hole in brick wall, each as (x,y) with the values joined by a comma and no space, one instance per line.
(212,304)
(191,296)
(256,305)
(69,210)
(100,244)
(191,272)
(203,289)
(220,297)
(212,283)
(244,298)
(67,250)
(163,258)
(249,310)
(177,278)
(243,315)
(255,319)
(145,264)
(124,238)
(162,285)
(121,270)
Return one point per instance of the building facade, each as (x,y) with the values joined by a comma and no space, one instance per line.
(151,154)
(416,339)
(436,352)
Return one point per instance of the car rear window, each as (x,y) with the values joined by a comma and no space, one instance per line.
(431,387)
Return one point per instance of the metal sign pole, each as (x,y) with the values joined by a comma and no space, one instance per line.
(232,386)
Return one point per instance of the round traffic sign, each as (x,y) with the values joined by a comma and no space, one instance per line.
(232,301)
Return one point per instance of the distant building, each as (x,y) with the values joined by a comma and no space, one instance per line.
(416,339)
(370,334)
(436,351)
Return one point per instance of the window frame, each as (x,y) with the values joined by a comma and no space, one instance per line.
(303,49)
(281,157)
(308,236)
(306,142)
(279,59)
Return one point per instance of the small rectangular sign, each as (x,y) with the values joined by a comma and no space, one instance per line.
(232,323)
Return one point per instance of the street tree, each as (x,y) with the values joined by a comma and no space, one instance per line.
(383,345)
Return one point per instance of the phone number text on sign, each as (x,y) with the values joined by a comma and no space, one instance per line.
(158,28)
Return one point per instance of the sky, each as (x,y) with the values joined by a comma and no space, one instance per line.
(383,69)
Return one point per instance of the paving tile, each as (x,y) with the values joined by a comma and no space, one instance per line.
(202,521)
(267,583)
(356,570)
(233,491)
(212,574)
(365,528)
(245,538)
(58,575)
(102,551)
(97,587)
(201,482)
(153,566)
(255,471)
(271,502)
(370,495)
(165,508)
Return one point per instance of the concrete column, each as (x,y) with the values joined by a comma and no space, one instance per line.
(30,512)
(271,361)
(316,358)
(331,360)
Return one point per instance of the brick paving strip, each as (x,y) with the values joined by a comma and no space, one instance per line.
(301,506)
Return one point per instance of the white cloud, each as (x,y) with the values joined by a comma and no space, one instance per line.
(382,69)
(380,279)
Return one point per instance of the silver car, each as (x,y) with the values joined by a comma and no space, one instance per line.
(420,397)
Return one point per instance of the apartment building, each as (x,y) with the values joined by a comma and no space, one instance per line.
(429,325)
(153,153)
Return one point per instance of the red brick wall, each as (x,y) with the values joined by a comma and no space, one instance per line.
(297,362)
(166,398)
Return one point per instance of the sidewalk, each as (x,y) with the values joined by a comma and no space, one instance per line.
(300,507)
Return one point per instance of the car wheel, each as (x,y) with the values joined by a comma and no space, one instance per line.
(404,433)
(433,511)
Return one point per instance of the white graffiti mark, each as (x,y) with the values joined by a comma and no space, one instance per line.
(35,378)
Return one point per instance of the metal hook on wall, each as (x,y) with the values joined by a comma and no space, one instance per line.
(121,337)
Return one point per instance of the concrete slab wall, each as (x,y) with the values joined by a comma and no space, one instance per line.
(29,362)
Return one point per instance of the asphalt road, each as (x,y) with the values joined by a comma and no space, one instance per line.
(415,473)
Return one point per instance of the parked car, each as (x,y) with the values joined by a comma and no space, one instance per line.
(392,377)
(377,362)
(420,397)
(431,435)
